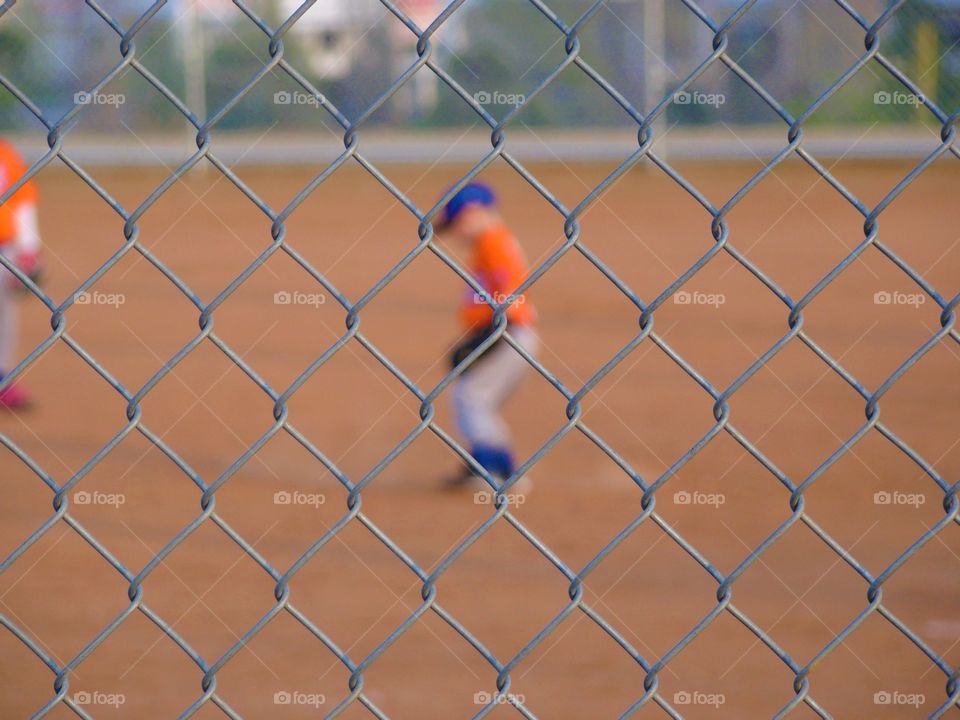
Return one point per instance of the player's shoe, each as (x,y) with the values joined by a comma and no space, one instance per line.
(14,397)
(466,479)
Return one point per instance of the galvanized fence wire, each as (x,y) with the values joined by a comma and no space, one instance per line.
(721,397)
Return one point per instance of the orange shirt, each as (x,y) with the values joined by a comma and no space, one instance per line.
(499,267)
(12,168)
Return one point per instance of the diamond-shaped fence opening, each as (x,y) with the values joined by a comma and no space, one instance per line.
(501,611)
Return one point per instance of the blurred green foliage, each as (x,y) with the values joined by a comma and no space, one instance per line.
(498,48)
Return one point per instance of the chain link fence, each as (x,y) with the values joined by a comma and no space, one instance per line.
(714,54)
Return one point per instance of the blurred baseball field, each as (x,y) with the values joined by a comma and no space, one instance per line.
(874,502)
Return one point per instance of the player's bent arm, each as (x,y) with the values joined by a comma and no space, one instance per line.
(27,241)
(28,228)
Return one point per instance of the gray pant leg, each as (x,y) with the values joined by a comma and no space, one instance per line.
(8,321)
(479,393)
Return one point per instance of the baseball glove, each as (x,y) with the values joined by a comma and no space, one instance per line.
(471,343)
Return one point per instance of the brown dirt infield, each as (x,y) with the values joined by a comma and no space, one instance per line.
(648,231)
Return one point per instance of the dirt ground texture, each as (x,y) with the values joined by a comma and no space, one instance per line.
(874,501)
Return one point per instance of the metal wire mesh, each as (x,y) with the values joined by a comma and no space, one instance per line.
(501,512)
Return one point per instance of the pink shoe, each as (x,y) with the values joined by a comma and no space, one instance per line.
(14,397)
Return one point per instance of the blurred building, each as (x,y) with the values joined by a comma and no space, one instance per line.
(331,33)
(337,37)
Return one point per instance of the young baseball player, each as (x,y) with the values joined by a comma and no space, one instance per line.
(498,265)
(20,243)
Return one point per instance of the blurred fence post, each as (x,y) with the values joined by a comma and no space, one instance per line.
(654,82)
(194,66)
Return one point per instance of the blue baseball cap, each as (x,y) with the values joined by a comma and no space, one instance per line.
(473,193)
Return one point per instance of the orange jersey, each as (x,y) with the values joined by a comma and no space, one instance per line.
(12,168)
(499,267)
